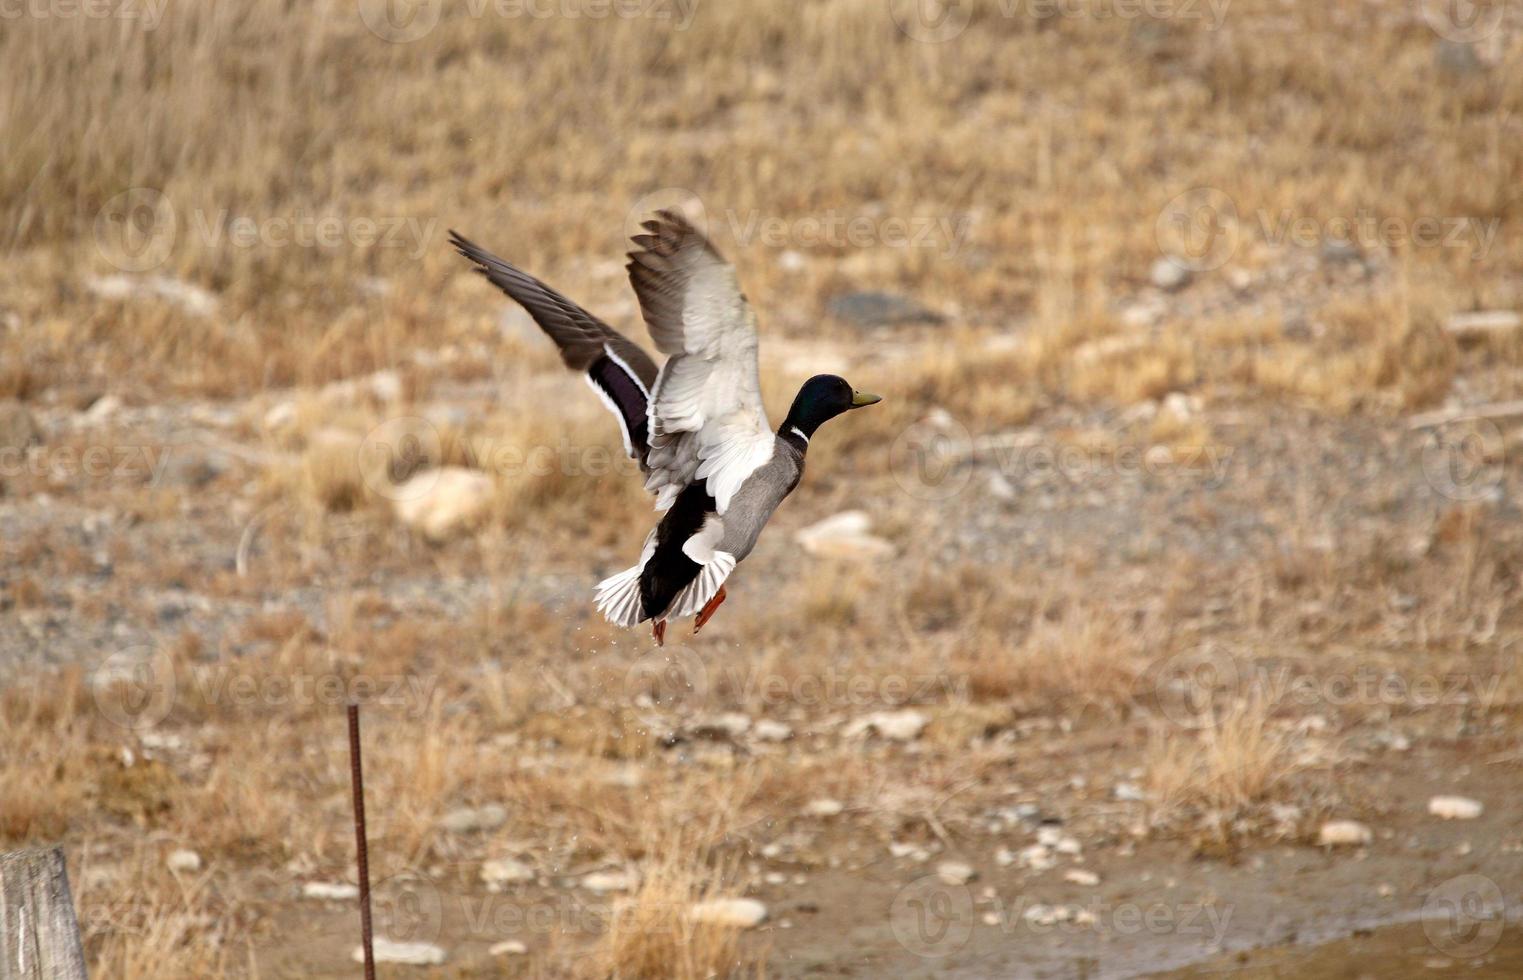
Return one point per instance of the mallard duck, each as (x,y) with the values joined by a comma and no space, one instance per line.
(696,426)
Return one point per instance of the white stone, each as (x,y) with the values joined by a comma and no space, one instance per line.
(767,730)
(184,860)
(790,260)
(189,297)
(731,724)
(1042,915)
(441,501)
(955,872)
(899,726)
(1455,807)
(1484,322)
(280,415)
(1080,876)
(330,891)
(1128,792)
(1342,833)
(505,871)
(1069,846)
(1036,857)
(386,386)
(823,808)
(1048,836)
(1168,274)
(845,535)
(471,819)
(510,947)
(602,882)
(738,913)
(408,954)
(104,407)
(1180,405)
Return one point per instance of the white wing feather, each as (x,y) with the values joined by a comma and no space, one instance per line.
(707,421)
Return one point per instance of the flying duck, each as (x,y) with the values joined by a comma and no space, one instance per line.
(696,425)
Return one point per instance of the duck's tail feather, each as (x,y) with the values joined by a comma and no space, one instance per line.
(618,596)
(697,593)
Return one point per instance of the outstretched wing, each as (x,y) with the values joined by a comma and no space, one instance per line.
(617,368)
(706,416)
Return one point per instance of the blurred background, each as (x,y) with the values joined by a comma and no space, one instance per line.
(1161,617)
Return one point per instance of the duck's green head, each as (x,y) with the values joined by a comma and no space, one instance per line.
(822,398)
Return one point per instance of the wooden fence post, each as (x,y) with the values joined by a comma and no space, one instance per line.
(39,935)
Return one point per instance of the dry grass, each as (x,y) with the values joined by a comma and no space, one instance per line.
(1052,228)
(1235,761)
(1057,146)
(653,936)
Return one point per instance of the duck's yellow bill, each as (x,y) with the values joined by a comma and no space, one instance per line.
(860,398)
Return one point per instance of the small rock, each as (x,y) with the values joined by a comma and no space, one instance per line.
(1344,833)
(184,860)
(844,535)
(1484,322)
(602,882)
(1128,792)
(1180,405)
(441,501)
(408,954)
(1036,857)
(103,408)
(955,872)
(731,724)
(330,891)
(1455,807)
(1041,915)
(188,296)
(738,913)
(1457,58)
(505,871)
(767,730)
(1168,275)
(824,808)
(468,819)
(280,415)
(510,947)
(1080,876)
(1069,846)
(791,261)
(898,726)
(385,386)
(914,852)
(879,309)
(1000,487)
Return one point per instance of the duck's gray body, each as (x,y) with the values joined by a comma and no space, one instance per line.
(759,497)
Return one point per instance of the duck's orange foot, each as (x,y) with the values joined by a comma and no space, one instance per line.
(659,631)
(708,610)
